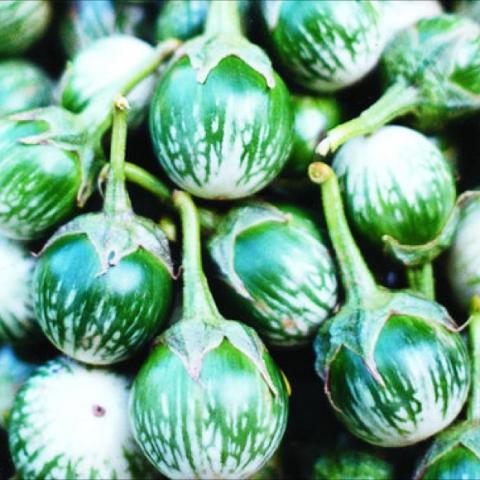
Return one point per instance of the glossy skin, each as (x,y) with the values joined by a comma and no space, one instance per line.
(99,317)
(226,425)
(287,272)
(181,20)
(102,68)
(17,323)
(425,372)
(325,45)
(455,453)
(352,465)
(70,421)
(383,197)
(463,261)
(313,117)
(39,183)
(226,138)
(23,86)
(21,24)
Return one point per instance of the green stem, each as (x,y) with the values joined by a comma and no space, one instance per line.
(357,279)
(398,100)
(198,303)
(149,182)
(97,115)
(473,410)
(223,18)
(116,196)
(141,177)
(420,279)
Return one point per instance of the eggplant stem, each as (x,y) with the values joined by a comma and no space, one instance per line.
(357,279)
(420,278)
(198,303)
(398,100)
(116,196)
(473,409)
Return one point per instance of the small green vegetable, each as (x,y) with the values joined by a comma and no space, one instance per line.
(209,402)
(229,132)
(412,215)
(277,271)
(23,86)
(103,283)
(21,24)
(395,369)
(431,70)
(71,421)
(325,45)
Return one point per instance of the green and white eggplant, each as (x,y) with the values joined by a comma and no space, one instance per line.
(455,453)
(352,465)
(13,372)
(23,86)
(71,421)
(313,117)
(395,368)
(102,286)
(398,15)
(102,68)
(277,270)
(182,20)
(229,133)
(430,71)
(399,193)
(463,261)
(22,24)
(17,322)
(209,402)
(49,158)
(89,20)
(325,45)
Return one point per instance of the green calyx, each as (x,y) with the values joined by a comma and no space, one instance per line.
(223,38)
(276,270)
(202,327)
(455,453)
(432,72)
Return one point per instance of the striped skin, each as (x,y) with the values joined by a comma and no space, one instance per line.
(17,323)
(423,383)
(102,68)
(313,117)
(440,57)
(21,24)
(454,454)
(38,184)
(325,45)
(396,182)
(463,261)
(227,424)
(23,86)
(96,314)
(13,372)
(341,464)
(71,421)
(223,139)
(282,280)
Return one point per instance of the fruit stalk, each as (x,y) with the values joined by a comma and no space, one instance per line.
(473,410)
(420,278)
